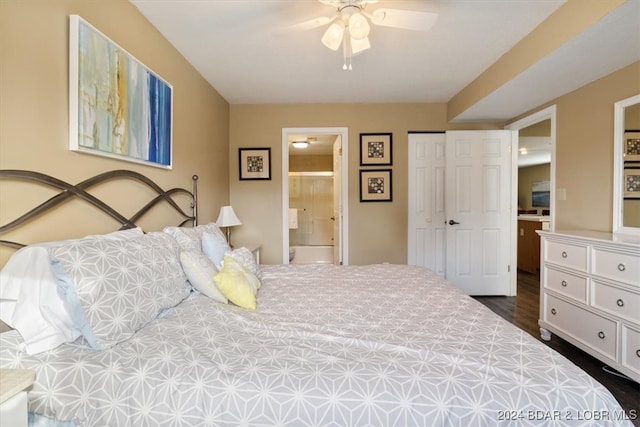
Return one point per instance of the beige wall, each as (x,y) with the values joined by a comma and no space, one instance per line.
(377,231)
(208,132)
(584,149)
(34,108)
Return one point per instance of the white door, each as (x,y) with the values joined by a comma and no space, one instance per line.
(337,201)
(426,221)
(478,191)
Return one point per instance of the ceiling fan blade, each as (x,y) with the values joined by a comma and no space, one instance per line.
(405,19)
(311,24)
(343,3)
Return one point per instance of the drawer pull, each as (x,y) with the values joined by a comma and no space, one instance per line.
(553,311)
(620,303)
(601,335)
(621,267)
(564,254)
(564,283)
(638,352)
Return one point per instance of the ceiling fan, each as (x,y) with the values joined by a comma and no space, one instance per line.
(350,26)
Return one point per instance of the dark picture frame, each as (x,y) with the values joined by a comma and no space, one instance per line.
(376,185)
(632,183)
(632,146)
(376,149)
(254,163)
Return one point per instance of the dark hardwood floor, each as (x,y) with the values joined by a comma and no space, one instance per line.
(523,311)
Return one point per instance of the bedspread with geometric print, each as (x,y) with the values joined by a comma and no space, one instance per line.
(378,345)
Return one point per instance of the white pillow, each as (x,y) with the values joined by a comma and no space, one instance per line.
(29,298)
(215,247)
(191,237)
(113,288)
(200,271)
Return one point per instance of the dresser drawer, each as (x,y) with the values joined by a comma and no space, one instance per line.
(623,267)
(631,348)
(565,254)
(595,331)
(621,302)
(565,283)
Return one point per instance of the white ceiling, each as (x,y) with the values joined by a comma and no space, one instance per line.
(248,52)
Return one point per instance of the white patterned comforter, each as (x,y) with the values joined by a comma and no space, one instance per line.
(382,345)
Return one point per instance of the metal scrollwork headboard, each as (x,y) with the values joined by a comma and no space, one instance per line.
(80,191)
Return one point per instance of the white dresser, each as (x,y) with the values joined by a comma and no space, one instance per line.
(590,294)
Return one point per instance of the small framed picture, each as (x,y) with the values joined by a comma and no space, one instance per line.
(632,146)
(255,163)
(375,149)
(375,185)
(631,183)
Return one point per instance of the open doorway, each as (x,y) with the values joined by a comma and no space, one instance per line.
(533,190)
(314,195)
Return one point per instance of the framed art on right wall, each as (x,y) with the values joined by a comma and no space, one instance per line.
(631,183)
(375,185)
(632,146)
(375,149)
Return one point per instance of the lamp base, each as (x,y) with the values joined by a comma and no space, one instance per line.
(229,237)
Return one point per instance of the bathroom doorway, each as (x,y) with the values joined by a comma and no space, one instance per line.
(314,195)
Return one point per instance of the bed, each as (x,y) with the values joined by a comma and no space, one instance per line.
(324,345)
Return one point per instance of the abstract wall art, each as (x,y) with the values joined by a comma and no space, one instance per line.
(117,106)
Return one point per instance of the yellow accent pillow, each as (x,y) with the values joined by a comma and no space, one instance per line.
(237,283)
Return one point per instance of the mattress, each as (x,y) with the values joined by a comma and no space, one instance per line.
(378,345)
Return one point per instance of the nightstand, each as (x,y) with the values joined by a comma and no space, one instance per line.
(255,250)
(253,247)
(13,396)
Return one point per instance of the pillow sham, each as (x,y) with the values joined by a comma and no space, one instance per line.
(191,237)
(215,247)
(237,283)
(29,298)
(247,260)
(200,271)
(113,288)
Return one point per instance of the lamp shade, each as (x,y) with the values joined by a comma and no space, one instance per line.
(358,26)
(227,217)
(333,36)
(358,46)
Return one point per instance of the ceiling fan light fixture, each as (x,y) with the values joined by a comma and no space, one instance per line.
(361,45)
(359,27)
(333,36)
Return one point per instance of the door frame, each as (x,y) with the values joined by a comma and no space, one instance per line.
(548,113)
(343,132)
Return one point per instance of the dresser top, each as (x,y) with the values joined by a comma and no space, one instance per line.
(625,239)
(535,218)
(13,381)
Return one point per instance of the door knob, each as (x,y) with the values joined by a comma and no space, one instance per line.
(452,222)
